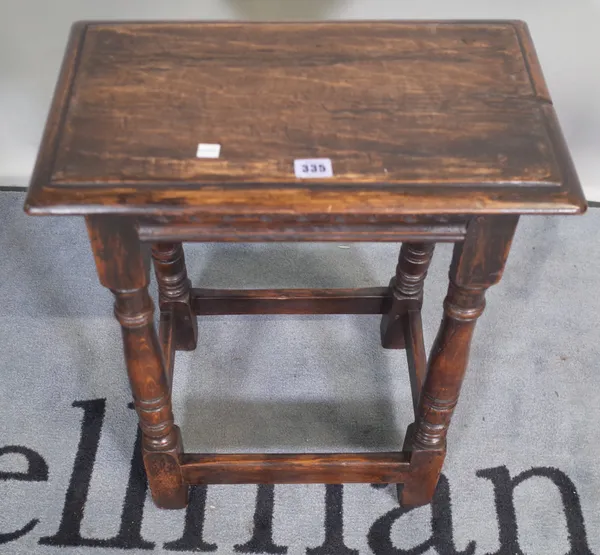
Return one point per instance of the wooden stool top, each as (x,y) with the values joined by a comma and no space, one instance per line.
(414,118)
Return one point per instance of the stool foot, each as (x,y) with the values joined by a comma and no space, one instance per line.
(419,488)
(164,476)
(425,469)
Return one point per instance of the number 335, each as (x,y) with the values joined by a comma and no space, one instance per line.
(313,168)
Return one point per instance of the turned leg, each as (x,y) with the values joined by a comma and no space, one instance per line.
(121,268)
(477,264)
(407,285)
(174,290)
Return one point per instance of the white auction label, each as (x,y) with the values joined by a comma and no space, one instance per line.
(206,150)
(313,167)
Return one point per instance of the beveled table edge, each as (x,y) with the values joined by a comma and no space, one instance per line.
(171,199)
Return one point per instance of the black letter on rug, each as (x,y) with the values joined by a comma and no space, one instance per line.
(37,471)
(334,524)
(69,531)
(262,537)
(193,533)
(504,487)
(130,531)
(441,528)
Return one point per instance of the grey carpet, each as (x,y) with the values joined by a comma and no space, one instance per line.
(522,471)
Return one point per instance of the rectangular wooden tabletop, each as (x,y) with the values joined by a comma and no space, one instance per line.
(346,117)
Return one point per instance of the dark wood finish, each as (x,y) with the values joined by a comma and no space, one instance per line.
(531,61)
(319,77)
(120,265)
(415,354)
(417,118)
(437,131)
(330,468)
(327,229)
(166,333)
(407,291)
(347,77)
(477,264)
(371,300)
(174,291)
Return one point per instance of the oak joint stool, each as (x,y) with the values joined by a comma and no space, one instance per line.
(412,132)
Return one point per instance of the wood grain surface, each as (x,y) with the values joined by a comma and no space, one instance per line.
(366,300)
(406,111)
(325,468)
